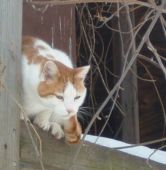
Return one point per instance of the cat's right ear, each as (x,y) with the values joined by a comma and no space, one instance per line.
(49,70)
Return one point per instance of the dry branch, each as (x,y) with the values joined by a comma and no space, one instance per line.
(66,2)
(70,2)
(117,85)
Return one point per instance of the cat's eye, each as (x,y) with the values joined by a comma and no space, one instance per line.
(77,97)
(59,97)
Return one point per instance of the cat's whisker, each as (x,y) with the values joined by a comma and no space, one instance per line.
(83,119)
(83,107)
(86,109)
(85,114)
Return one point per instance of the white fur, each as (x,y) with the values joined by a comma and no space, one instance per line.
(57,54)
(48,112)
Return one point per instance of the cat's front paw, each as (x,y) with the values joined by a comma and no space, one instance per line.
(57,131)
(72,130)
(43,124)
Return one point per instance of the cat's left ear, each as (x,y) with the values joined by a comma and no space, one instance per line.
(81,72)
(50,70)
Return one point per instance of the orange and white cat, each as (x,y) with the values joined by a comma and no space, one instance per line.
(53,90)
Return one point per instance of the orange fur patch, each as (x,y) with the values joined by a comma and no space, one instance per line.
(32,53)
(64,75)
(72,130)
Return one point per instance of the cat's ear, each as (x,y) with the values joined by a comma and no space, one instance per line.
(50,70)
(81,72)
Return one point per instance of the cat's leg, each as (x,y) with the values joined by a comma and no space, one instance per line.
(57,130)
(42,120)
(56,126)
(72,130)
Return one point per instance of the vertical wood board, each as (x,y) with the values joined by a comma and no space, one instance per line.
(10,53)
(129,92)
(55,25)
(129,95)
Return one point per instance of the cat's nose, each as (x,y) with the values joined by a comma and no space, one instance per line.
(70,110)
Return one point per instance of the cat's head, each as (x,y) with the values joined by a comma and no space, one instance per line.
(62,88)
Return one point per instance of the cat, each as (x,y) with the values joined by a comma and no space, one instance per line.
(53,90)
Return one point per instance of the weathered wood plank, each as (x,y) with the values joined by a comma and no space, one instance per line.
(129,94)
(58,155)
(10,52)
(35,166)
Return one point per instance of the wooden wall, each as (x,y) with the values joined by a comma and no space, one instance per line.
(151,115)
(55,24)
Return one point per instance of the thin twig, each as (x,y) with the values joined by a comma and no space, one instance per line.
(148,160)
(67,2)
(141,144)
(98,68)
(154,51)
(144,39)
(140,56)
(70,2)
